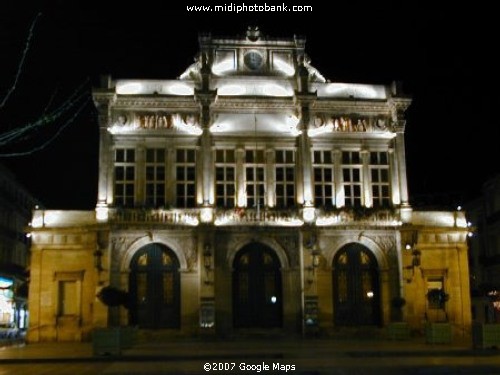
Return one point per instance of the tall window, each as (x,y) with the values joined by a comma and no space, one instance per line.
(225,168)
(285,178)
(124,177)
(323,178)
(351,172)
(254,174)
(155,177)
(379,170)
(185,170)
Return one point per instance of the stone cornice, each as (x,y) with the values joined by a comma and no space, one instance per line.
(155,102)
(351,106)
(253,103)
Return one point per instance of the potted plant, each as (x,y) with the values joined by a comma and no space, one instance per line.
(112,296)
(111,340)
(438,331)
(397,328)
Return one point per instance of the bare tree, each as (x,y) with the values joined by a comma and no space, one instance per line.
(18,139)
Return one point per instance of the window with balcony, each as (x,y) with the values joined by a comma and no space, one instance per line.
(185,172)
(379,171)
(352,183)
(323,178)
(225,177)
(255,178)
(285,178)
(155,177)
(124,176)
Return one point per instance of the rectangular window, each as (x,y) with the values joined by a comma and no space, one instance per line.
(67,298)
(225,178)
(185,171)
(323,178)
(379,173)
(254,178)
(351,173)
(124,174)
(285,178)
(155,177)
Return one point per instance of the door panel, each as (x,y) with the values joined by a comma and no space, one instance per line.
(356,290)
(155,288)
(257,288)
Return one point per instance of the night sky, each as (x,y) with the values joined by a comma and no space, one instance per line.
(444,58)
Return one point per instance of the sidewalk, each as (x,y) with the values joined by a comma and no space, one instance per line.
(302,356)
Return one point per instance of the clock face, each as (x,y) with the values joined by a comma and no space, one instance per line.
(253,60)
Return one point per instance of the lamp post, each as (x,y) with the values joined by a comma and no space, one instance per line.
(415,260)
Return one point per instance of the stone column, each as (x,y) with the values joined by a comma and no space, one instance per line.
(206,98)
(394,176)
(304,99)
(338,179)
(241,199)
(401,165)
(105,185)
(270,178)
(140,175)
(366,179)
(170,192)
(304,163)
(398,107)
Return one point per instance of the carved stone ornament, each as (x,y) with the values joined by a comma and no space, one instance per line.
(335,123)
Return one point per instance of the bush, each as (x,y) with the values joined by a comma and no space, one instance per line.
(112,296)
(437,297)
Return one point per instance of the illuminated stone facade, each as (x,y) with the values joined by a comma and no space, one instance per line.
(248,194)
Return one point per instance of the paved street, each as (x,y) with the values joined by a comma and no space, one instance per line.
(263,356)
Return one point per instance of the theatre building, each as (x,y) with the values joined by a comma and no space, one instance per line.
(249,194)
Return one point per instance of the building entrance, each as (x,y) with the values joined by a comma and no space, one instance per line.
(155,288)
(356,289)
(257,288)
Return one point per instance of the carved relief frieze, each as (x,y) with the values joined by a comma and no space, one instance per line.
(165,120)
(349,123)
(155,120)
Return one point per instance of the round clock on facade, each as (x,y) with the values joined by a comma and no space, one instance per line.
(253,60)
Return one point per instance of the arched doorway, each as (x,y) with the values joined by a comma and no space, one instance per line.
(356,288)
(257,288)
(154,286)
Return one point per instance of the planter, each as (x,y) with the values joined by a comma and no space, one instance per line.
(398,331)
(438,333)
(485,335)
(111,340)
(128,337)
